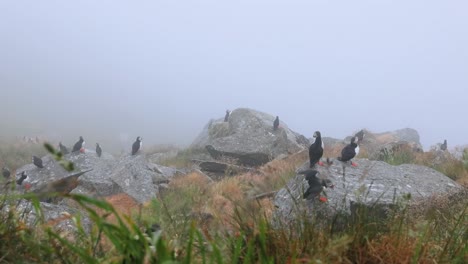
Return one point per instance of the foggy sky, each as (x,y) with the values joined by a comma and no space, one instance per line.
(162,69)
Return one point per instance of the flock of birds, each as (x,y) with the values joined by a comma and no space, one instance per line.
(77,147)
(316,184)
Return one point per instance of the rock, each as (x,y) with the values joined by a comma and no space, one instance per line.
(60,217)
(391,149)
(132,175)
(249,138)
(374,144)
(220,169)
(373,184)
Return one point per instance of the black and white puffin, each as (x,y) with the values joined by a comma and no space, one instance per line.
(6,172)
(79,145)
(98,150)
(276,123)
(63,149)
(226,117)
(316,150)
(22,178)
(350,151)
(137,145)
(360,135)
(444,146)
(316,184)
(37,161)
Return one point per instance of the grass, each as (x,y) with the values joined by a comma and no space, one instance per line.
(14,155)
(221,222)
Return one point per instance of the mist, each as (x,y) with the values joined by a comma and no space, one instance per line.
(114,70)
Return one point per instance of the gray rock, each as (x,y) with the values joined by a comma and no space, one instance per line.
(248,136)
(134,177)
(391,149)
(371,183)
(61,216)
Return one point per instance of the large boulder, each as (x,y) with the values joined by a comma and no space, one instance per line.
(132,175)
(373,184)
(248,138)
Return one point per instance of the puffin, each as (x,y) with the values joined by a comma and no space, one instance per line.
(316,150)
(22,178)
(98,150)
(226,117)
(6,172)
(136,145)
(360,135)
(316,184)
(37,161)
(63,149)
(444,146)
(350,151)
(79,145)
(276,123)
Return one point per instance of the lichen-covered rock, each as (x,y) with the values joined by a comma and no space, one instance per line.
(249,138)
(371,183)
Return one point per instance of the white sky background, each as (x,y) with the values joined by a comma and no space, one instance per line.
(162,69)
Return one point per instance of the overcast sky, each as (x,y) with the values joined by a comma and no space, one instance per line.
(162,69)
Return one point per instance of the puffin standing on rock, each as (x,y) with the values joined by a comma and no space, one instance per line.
(79,146)
(444,145)
(316,150)
(63,149)
(137,145)
(276,123)
(350,151)
(23,177)
(316,184)
(226,117)
(37,161)
(98,150)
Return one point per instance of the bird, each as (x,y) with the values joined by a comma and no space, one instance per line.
(98,150)
(226,117)
(276,123)
(78,145)
(37,161)
(22,178)
(444,146)
(316,150)
(62,186)
(360,135)
(63,149)
(137,145)
(316,184)
(6,172)
(350,151)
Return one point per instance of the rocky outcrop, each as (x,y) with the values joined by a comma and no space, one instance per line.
(248,138)
(373,184)
(107,176)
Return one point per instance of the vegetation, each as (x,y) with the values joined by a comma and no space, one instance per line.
(221,222)
(15,155)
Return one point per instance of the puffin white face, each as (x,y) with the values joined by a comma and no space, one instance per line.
(315,134)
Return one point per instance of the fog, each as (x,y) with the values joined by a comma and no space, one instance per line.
(114,70)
